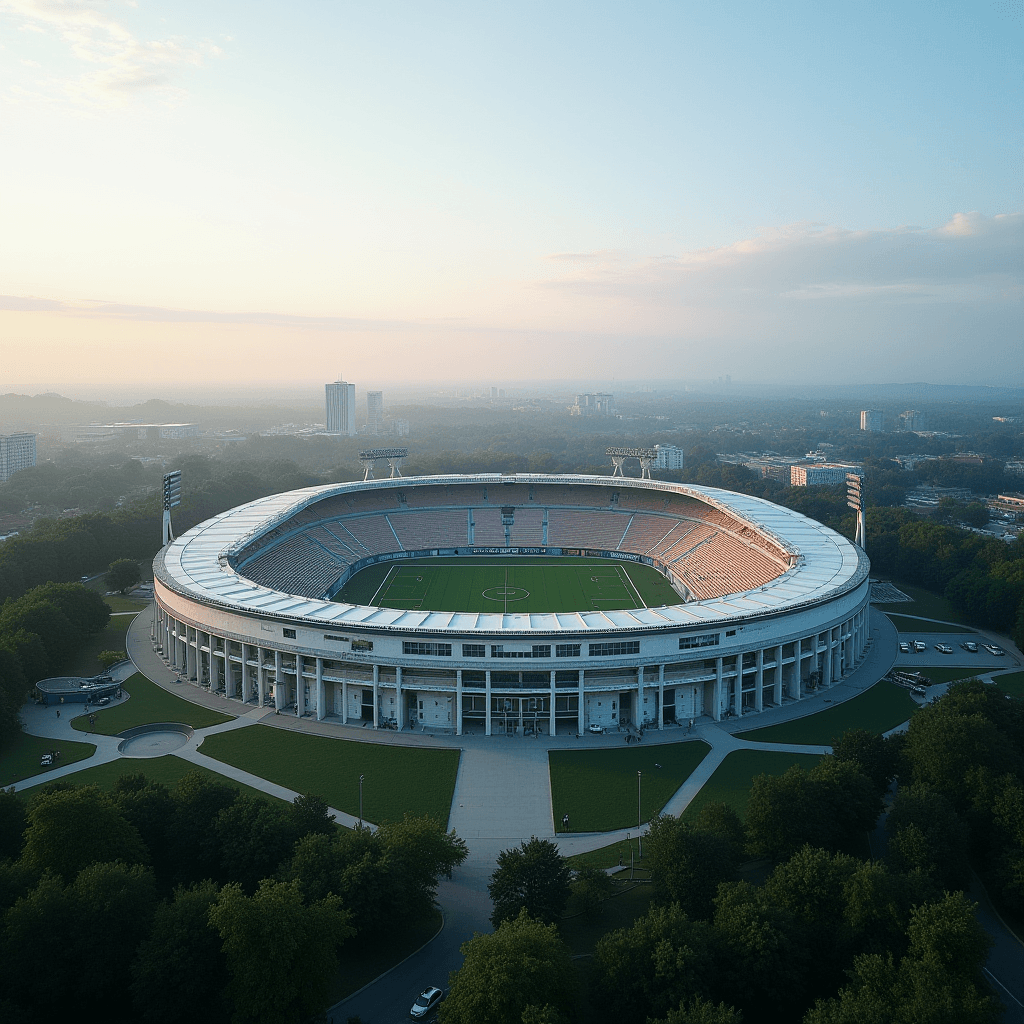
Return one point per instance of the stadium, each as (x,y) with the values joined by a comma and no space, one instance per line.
(518,603)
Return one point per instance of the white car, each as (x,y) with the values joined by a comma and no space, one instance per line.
(920,645)
(426,1003)
(944,648)
(993,649)
(594,727)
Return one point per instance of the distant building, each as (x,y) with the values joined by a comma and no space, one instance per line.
(913,420)
(1015,466)
(669,457)
(341,408)
(597,403)
(374,411)
(826,474)
(17,452)
(871,420)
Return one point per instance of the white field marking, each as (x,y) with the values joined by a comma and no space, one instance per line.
(373,600)
(632,585)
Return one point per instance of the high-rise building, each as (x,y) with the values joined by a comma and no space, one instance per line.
(374,411)
(871,420)
(669,457)
(597,403)
(824,474)
(17,452)
(913,420)
(341,408)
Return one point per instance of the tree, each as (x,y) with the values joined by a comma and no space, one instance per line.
(701,1011)
(873,754)
(123,574)
(687,864)
(179,969)
(521,972)
(533,877)
(108,658)
(925,834)
(647,969)
(13,820)
(254,836)
(275,926)
(195,851)
(589,888)
(310,815)
(69,829)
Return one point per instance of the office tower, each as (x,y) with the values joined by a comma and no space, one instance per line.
(341,408)
(374,411)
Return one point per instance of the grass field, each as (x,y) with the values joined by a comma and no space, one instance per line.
(397,780)
(879,709)
(167,769)
(20,758)
(905,624)
(486,583)
(149,703)
(598,788)
(627,902)
(733,778)
(1012,683)
(944,674)
(925,602)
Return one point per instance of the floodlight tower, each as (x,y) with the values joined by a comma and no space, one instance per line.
(855,499)
(393,455)
(366,460)
(647,457)
(172,498)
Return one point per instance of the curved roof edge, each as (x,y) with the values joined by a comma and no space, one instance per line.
(196,565)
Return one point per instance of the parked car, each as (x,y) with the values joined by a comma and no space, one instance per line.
(46,759)
(103,700)
(993,649)
(426,1003)
(904,648)
(920,645)
(970,645)
(594,727)
(944,648)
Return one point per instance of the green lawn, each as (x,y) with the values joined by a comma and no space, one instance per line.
(486,583)
(878,709)
(605,857)
(117,603)
(628,902)
(925,602)
(733,778)
(167,769)
(110,638)
(149,703)
(907,625)
(20,757)
(397,780)
(1012,683)
(598,788)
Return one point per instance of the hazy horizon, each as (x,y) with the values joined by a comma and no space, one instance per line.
(253,197)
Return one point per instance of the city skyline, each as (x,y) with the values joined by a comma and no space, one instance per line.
(431,191)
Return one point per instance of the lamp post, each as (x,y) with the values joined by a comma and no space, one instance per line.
(360,801)
(639,820)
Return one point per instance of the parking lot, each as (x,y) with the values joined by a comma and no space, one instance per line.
(983,661)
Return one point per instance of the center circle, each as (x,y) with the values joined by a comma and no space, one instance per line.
(506,594)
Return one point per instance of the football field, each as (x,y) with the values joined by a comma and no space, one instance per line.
(509,584)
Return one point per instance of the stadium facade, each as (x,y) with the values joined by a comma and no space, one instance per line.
(775,606)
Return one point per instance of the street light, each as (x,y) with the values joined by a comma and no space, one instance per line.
(639,839)
(360,801)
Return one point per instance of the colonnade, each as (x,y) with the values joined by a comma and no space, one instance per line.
(720,685)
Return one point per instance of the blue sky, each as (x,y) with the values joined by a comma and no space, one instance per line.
(420,189)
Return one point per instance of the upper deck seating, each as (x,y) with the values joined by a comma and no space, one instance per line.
(488,531)
(374,533)
(586,529)
(297,566)
(528,530)
(419,530)
(645,532)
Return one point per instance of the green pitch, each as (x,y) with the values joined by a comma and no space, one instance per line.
(488,583)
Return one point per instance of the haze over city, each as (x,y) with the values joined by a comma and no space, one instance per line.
(236,194)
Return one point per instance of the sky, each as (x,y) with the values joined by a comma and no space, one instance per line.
(230,194)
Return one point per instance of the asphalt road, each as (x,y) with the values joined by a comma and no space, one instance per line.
(467,909)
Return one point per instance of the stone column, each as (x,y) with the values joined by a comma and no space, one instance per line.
(458,702)
(661,697)
(487,703)
(639,697)
(279,687)
(551,709)
(778,675)
(344,701)
(300,688)
(737,697)
(190,658)
(759,680)
(321,692)
(399,703)
(717,712)
(245,673)
(581,709)
(376,695)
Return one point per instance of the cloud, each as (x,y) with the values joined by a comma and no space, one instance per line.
(121,63)
(972,255)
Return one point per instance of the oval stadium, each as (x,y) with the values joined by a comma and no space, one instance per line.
(512,604)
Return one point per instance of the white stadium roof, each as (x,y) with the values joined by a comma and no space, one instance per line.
(196,565)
